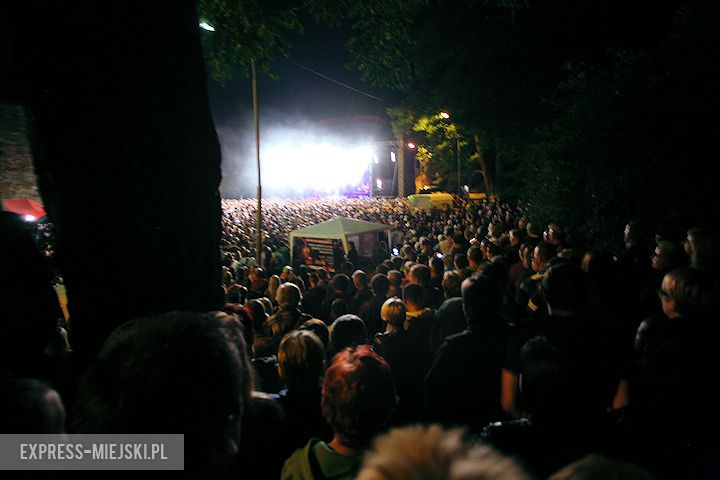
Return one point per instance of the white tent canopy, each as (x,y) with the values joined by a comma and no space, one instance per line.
(340,228)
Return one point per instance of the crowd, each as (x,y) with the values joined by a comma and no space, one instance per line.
(475,345)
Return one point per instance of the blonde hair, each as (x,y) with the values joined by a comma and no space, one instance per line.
(394,312)
(432,453)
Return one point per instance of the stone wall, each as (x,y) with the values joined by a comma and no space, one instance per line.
(17,176)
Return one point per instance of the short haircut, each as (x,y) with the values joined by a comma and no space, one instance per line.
(347,331)
(482,298)
(358,395)
(340,282)
(288,295)
(178,372)
(394,312)
(436,265)
(695,291)
(460,262)
(546,251)
(421,274)
(258,314)
(566,287)
(412,292)
(475,254)
(395,277)
(494,249)
(380,284)
(339,307)
(451,284)
(301,356)
(360,277)
(430,452)
(319,328)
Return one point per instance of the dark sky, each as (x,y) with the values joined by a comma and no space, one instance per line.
(298,96)
(297,106)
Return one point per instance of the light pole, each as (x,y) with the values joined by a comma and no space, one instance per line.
(258,218)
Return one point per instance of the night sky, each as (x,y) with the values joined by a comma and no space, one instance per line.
(298,96)
(297,103)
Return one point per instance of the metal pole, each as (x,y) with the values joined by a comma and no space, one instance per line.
(258,219)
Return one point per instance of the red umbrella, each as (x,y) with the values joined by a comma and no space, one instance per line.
(25,207)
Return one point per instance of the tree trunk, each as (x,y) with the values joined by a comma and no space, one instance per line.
(127,157)
(483,166)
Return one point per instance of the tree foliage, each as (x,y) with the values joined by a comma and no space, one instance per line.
(245,30)
(632,139)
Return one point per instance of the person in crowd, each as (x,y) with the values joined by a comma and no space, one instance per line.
(273,285)
(29,406)
(475,257)
(369,311)
(701,246)
(556,236)
(569,327)
(314,296)
(433,453)
(347,331)
(527,297)
(409,359)
(362,290)
(461,266)
(437,269)
(674,412)
(686,295)
(449,318)
(358,398)
(556,428)
(258,282)
(463,384)
(534,234)
(259,321)
(634,262)
(395,277)
(419,318)
(339,288)
(32,317)
(287,274)
(459,244)
(352,254)
(339,307)
(301,363)
(318,327)
(420,274)
(177,372)
(289,316)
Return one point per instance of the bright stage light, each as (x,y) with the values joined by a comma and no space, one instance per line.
(29,218)
(323,167)
(207,26)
